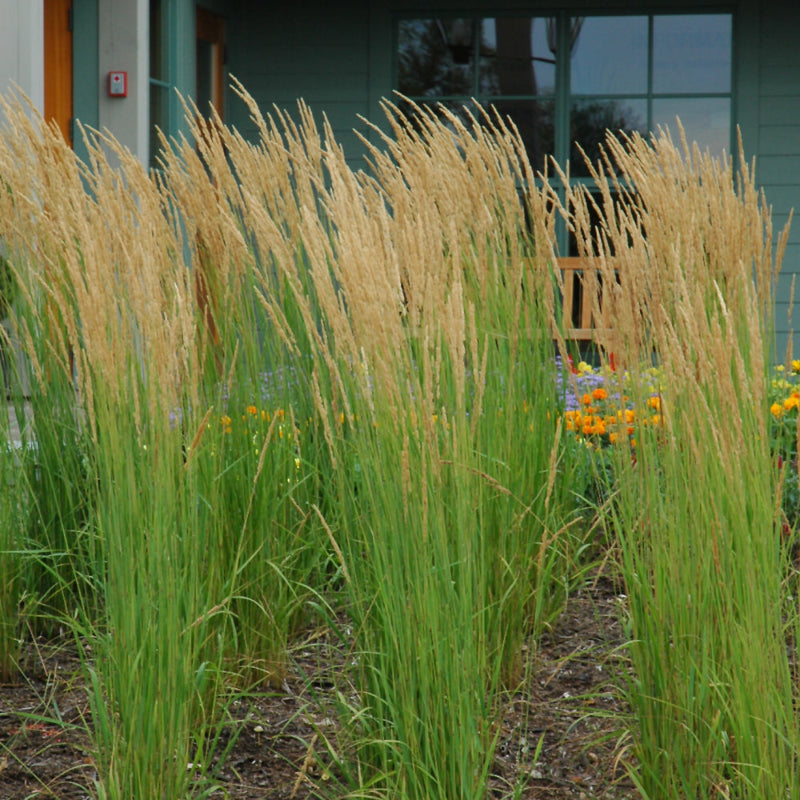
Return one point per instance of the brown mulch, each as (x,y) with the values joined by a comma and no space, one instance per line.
(570,701)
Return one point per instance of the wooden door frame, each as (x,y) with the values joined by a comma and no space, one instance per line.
(58,69)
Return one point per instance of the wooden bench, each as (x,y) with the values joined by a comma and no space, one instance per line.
(582,323)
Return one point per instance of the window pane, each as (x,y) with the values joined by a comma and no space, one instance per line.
(159,116)
(692,53)
(591,119)
(534,121)
(516,58)
(435,57)
(706,120)
(157,41)
(609,55)
(204,76)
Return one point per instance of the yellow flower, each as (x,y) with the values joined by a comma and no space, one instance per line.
(654,402)
(776,409)
(796,365)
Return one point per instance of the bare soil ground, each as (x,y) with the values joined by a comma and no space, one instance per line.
(570,701)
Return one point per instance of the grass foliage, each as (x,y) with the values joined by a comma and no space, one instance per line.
(263,384)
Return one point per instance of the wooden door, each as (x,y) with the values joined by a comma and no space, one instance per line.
(58,64)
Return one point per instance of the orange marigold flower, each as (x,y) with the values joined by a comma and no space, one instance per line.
(599,393)
(791,402)
(776,409)
(251,410)
(654,402)
(586,399)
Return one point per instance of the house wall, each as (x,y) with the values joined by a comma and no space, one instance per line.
(777,142)
(21,48)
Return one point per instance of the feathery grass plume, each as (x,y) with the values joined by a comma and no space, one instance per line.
(687,245)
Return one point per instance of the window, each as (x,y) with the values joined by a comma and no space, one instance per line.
(566,80)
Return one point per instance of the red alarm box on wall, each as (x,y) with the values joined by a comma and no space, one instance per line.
(117,84)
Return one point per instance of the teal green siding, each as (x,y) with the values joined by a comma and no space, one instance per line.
(778,137)
(315,51)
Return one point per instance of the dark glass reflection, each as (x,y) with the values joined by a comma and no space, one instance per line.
(591,120)
(517,57)
(705,120)
(159,113)
(598,213)
(534,119)
(609,56)
(435,57)
(157,48)
(692,53)
(204,75)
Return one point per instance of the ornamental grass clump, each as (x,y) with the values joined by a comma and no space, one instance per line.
(687,244)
